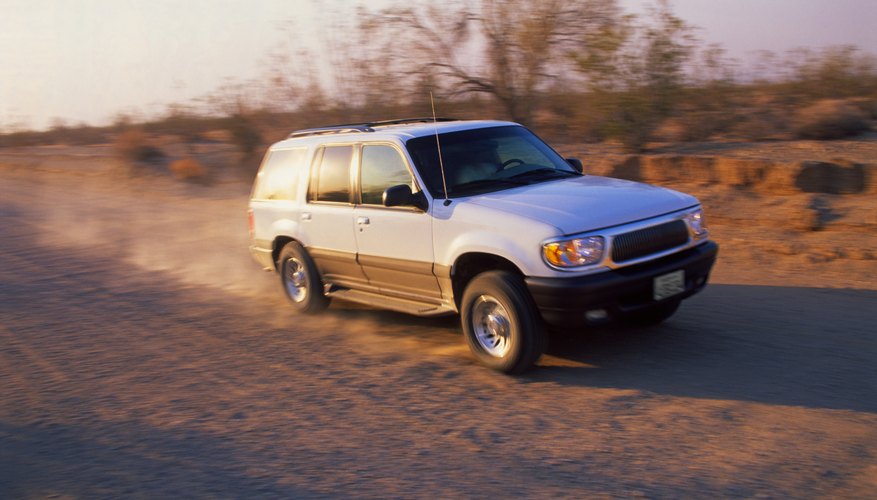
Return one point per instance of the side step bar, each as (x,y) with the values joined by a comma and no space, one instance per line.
(392,303)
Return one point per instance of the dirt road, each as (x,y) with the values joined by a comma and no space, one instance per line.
(142,354)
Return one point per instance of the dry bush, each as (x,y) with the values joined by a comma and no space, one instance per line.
(760,123)
(244,134)
(188,169)
(829,119)
(868,105)
(564,117)
(833,72)
(700,123)
(134,146)
(84,135)
(704,111)
(20,138)
(188,127)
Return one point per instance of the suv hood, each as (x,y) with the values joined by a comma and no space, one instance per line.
(586,203)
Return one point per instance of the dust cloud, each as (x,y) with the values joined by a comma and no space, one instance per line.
(198,237)
(195,234)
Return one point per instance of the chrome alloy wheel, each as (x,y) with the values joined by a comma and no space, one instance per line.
(492,326)
(296,281)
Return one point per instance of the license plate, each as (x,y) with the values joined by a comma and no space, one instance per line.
(669,285)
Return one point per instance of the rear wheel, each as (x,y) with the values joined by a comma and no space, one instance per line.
(500,322)
(301,279)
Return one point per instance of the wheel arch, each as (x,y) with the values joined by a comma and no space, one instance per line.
(277,246)
(471,264)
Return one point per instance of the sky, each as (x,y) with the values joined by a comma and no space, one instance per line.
(86,61)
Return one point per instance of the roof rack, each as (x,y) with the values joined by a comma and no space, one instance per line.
(334,129)
(349,128)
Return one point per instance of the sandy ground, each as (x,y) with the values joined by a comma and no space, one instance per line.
(143,354)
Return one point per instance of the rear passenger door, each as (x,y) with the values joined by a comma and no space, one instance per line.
(327,221)
(394,243)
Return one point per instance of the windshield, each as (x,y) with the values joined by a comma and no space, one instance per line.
(486,160)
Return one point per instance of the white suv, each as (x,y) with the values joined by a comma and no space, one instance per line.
(480,218)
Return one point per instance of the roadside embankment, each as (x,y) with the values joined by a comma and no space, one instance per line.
(774,177)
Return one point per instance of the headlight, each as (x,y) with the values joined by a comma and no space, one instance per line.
(697,224)
(574,253)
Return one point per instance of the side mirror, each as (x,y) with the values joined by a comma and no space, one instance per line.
(401,196)
(576,164)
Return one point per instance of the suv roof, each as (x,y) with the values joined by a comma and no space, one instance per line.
(406,127)
(364,127)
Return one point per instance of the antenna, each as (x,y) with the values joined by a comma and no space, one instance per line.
(439,146)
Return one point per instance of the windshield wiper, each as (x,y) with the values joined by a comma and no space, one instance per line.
(541,172)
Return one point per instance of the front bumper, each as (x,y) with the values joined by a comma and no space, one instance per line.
(564,301)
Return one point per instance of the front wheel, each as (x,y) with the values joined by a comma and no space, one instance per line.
(301,279)
(500,322)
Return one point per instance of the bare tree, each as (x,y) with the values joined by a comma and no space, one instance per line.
(509,49)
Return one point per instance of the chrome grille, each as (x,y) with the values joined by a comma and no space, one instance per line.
(636,244)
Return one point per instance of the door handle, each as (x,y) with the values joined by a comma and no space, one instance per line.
(362,221)
(306,216)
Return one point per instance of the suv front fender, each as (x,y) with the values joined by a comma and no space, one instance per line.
(523,257)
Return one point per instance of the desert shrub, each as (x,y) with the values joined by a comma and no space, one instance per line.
(133,145)
(829,119)
(635,73)
(565,117)
(188,128)
(760,122)
(703,124)
(188,169)
(833,72)
(83,135)
(20,139)
(707,110)
(868,106)
(630,118)
(245,136)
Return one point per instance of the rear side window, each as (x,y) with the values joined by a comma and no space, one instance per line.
(332,176)
(278,177)
(382,167)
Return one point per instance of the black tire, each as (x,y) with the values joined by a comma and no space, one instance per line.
(300,279)
(652,315)
(500,322)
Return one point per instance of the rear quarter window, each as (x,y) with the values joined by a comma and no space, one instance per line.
(278,178)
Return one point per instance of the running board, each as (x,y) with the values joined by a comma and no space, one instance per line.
(392,303)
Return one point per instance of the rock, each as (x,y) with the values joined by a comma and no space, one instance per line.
(807,213)
(821,212)
(841,177)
